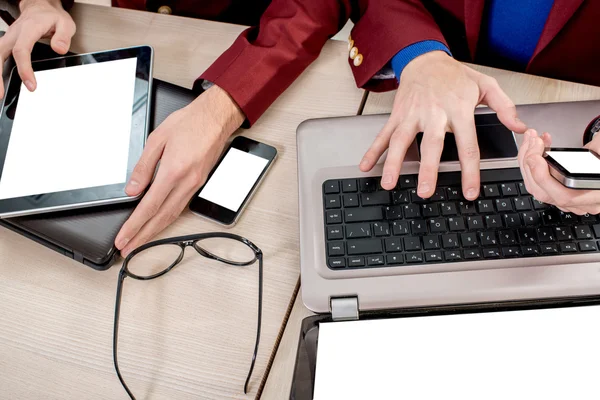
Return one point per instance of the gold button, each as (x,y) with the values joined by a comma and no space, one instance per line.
(165,10)
(350,45)
(349,38)
(358,60)
(353,53)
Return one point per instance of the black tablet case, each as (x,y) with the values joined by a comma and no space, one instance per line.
(88,235)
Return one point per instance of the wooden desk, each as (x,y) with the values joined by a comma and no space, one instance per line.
(523,89)
(190,334)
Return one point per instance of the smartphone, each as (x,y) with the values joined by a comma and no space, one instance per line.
(495,140)
(575,168)
(234,179)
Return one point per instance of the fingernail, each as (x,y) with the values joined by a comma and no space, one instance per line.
(423,188)
(132,185)
(62,44)
(387,179)
(471,193)
(125,253)
(29,85)
(121,243)
(364,162)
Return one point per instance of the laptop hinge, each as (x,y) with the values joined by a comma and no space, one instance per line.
(344,308)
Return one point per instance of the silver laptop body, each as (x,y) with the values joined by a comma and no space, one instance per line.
(332,148)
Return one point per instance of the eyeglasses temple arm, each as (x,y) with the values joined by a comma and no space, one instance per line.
(116,331)
(259,321)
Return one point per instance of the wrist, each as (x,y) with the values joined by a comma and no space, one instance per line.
(24,4)
(219,109)
(426,59)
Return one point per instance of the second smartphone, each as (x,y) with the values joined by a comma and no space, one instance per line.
(233,180)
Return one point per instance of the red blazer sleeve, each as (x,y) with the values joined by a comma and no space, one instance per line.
(385,27)
(263,61)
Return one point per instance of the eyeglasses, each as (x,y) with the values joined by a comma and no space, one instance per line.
(147,262)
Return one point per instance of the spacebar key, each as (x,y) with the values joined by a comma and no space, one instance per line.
(364,246)
(364,214)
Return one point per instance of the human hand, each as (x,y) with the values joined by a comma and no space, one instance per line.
(187,144)
(438,94)
(544,187)
(39,19)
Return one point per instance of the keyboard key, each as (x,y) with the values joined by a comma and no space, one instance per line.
(551,216)
(493,221)
(414,258)
(538,205)
(394,259)
(335,232)
(393,245)
(448,209)
(407,181)
(364,246)
(454,193)
(418,226)
(335,249)
(332,201)
(522,189)
(512,251)
(399,197)
(546,234)
(381,229)
(415,198)
(503,205)
(375,260)
(350,200)
(568,218)
(334,217)
(473,254)
(339,262)
(490,191)
(363,214)
(433,256)
(509,189)
(357,231)
(412,243)
(468,239)
(431,242)
(381,198)
(491,253)
(511,220)
(588,245)
(507,237)
(527,236)
(589,218)
(597,230)
(531,218)
(569,247)
(563,233)
(430,210)
(453,255)
(522,203)
(349,186)
(331,187)
(450,241)
(466,207)
(356,261)
(583,232)
(438,195)
(488,238)
(412,211)
(368,184)
(400,228)
(485,206)
(456,224)
(437,225)
(475,222)
(393,212)
(549,249)
(529,251)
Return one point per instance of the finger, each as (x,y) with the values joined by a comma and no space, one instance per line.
(169,211)
(468,153)
(61,40)
(495,98)
(380,144)
(22,54)
(399,144)
(432,146)
(530,184)
(146,166)
(149,206)
(547,138)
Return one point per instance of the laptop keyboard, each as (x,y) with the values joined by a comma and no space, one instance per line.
(367,226)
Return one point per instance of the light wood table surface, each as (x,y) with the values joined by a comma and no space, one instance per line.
(522,89)
(189,334)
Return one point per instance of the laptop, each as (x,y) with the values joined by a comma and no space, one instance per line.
(88,235)
(366,254)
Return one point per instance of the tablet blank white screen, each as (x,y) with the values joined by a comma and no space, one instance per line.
(542,354)
(73,132)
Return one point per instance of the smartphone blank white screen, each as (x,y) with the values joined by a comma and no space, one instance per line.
(233,179)
(549,354)
(73,131)
(577,162)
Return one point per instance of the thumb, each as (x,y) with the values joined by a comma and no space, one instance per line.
(65,29)
(495,98)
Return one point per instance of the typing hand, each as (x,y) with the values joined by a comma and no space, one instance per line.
(39,19)
(437,94)
(544,187)
(187,144)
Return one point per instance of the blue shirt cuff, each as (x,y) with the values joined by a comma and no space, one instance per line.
(409,53)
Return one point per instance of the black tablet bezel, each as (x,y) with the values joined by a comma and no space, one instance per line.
(108,194)
(217,212)
(558,166)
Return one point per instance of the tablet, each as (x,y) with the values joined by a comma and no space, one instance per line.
(75,140)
